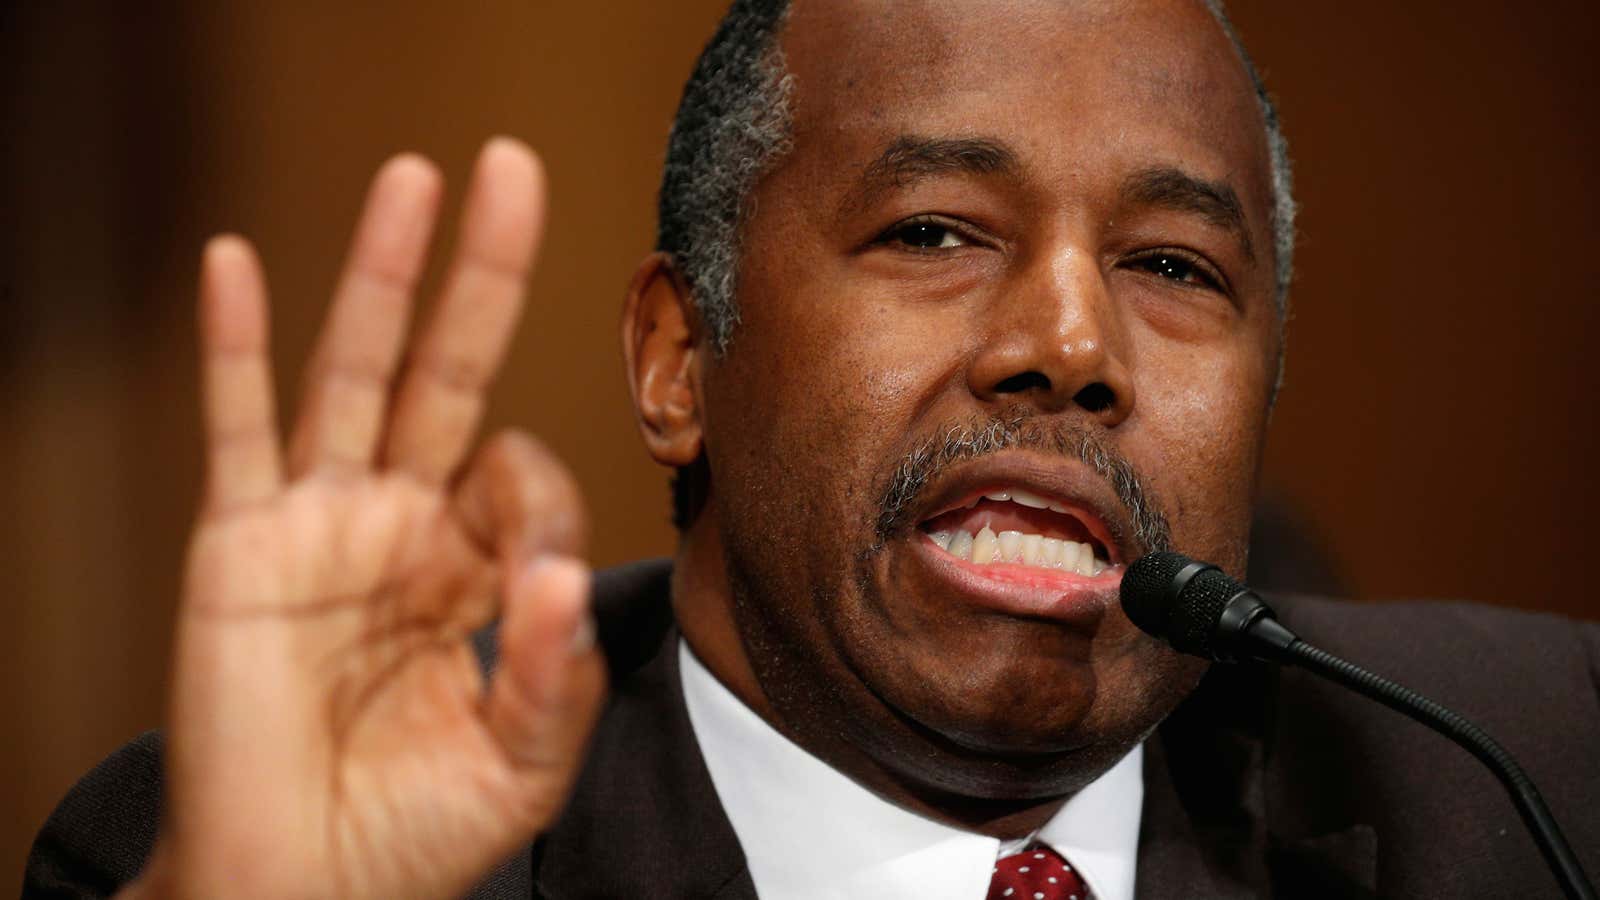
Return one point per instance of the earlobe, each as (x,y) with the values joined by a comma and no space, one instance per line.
(659,344)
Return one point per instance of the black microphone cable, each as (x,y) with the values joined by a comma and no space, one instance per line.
(1199,610)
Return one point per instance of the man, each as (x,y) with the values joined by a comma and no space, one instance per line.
(959,309)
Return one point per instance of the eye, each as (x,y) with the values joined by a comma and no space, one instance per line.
(922,235)
(1180,266)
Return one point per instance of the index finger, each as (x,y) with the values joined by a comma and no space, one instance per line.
(243,463)
(441,394)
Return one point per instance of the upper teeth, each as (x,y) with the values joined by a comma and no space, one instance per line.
(986,547)
(1016,495)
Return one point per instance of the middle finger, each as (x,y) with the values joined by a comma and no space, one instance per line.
(441,394)
(347,383)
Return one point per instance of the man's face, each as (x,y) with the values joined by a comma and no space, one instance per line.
(1019,248)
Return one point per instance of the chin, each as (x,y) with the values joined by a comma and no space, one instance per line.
(996,757)
(1007,709)
(996,760)
(990,704)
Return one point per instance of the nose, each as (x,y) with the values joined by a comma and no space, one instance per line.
(1053,340)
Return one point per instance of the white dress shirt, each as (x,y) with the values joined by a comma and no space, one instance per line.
(810,833)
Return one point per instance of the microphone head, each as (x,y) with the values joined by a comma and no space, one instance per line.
(1180,600)
(1144,590)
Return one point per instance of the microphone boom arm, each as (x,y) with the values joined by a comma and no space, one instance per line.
(1269,640)
(1197,609)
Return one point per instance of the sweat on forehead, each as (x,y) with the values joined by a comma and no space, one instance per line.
(737,114)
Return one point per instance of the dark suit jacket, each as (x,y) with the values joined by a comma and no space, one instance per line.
(1264,783)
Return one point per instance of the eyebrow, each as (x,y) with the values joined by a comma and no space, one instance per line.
(911,158)
(1175,189)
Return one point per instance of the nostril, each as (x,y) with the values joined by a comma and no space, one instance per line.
(1023,382)
(1095,398)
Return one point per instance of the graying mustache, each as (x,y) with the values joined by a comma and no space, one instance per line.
(979,437)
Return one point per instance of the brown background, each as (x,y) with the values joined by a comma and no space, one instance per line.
(1436,430)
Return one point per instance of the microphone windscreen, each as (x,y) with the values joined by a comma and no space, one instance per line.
(1186,619)
(1144,590)
(1198,612)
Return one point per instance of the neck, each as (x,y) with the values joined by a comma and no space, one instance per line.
(702,603)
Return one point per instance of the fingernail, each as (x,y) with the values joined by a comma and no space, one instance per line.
(582,640)
(582,637)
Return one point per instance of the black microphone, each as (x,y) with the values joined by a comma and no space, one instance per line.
(1199,610)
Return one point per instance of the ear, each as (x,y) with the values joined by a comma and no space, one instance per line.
(659,331)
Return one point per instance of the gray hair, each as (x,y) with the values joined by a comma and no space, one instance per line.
(1283,206)
(734,124)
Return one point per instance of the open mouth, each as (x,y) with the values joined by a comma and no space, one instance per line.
(1012,526)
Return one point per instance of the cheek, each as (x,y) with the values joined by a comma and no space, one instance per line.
(832,382)
(1203,420)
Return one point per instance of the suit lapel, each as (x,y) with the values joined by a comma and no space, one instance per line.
(1187,852)
(1207,831)
(644,820)
(1339,864)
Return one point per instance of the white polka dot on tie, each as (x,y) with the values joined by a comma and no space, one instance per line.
(1052,879)
(1023,869)
(1038,895)
(1038,856)
(1008,892)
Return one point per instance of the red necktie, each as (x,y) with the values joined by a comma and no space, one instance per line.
(1037,873)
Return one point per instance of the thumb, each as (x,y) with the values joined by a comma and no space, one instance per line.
(545,695)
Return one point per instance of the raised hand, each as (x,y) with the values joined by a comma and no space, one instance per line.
(330,732)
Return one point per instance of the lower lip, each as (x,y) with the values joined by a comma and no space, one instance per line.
(1023,590)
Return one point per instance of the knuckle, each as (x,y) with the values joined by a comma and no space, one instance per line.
(512,444)
(536,491)
(458,374)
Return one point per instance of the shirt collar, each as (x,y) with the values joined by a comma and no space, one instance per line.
(808,831)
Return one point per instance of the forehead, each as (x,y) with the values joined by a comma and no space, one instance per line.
(1079,88)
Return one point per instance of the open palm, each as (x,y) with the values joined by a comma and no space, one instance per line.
(331,732)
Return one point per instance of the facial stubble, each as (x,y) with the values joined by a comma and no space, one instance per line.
(808,669)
